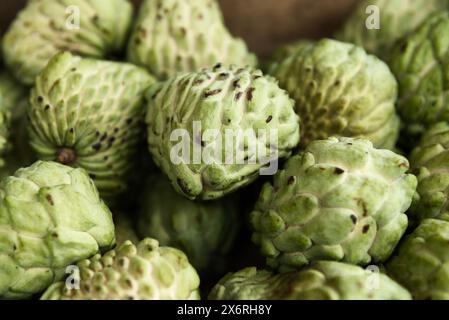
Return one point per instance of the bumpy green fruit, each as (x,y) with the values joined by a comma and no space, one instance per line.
(88,113)
(340,91)
(422,263)
(205,231)
(323,280)
(171,36)
(142,272)
(229,100)
(419,62)
(93,28)
(15,96)
(377,25)
(286,51)
(340,199)
(430,160)
(50,217)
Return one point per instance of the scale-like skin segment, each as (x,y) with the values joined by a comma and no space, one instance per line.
(340,199)
(340,91)
(89,113)
(45,27)
(132,272)
(51,216)
(172,36)
(323,280)
(221,98)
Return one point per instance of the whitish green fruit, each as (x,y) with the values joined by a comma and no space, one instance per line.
(340,199)
(205,231)
(232,99)
(15,96)
(340,91)
(142,272)
(88,113)
(50,217)
(323,280)
(422,263)
(419,62)
(377,25)
(430,161)
(172,36)
(93,28)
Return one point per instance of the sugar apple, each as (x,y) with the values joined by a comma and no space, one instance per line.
(15,96)
(50,217)
(422,263)
(340,91)
(323,280)
(419,63)
(172,36)
(205,231)
(340,199)
(142,272)
(378,28)
(92,28)
(204,107)
(87,113)
(286,51)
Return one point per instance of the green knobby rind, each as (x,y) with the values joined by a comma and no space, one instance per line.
(340,199)
(422,263)
(15,96)
(430,162)
(133,272)
(205,231)
(323,280)
(419,63)
(51,216)
(340,91)
(172,36)
(226,99)
(89,113)
(396,18)
(45,27)
(286,51)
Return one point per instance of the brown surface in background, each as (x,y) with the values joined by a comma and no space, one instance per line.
(264,24)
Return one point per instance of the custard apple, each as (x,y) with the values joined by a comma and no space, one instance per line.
(142,272)
(340,199)
(15,96)
(172,36)
(205,231)
(419,62)
(377,25)
(323,280)
(422,263)
(232,121)
(50,217)
(340,91)
(286,51)
(92,28)
(88,113)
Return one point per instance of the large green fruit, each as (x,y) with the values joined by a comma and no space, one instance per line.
(92,28)
(340,199)
(142,272)
(50,217)
(89,113)
(172,36)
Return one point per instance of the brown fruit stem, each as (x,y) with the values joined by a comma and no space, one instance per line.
(66,156)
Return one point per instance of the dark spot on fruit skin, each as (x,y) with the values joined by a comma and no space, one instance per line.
(269,119)
(116,130)
(217,66)
(198,81)
(129,120)
(159,16)
(238,96)
(291,180)
(54,234)
(182,185)
(111,140)
(93,176)
(47,107)
(96,146)
(183,31)
(257,77)
(211,93)
(249,93)
(105,157)
(104,136)
(40,99)
(71,130)
(50,199)
(403,47)
(365,228)
(236,84)
(95,18)
(14,247)
(240,70)
(338,170)
(97,133)
(223,75)
(337,83)
(353,218)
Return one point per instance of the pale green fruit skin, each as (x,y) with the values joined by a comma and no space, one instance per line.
(323,280)
(50,217)
(172,36)
(40,31)
(221,98)
(397,18)
(89,113)
(340,199)
(422,262)
(286,51)
(133,272)
(205,231)
(15,95)
(430,162)
(419,63)
(340,90)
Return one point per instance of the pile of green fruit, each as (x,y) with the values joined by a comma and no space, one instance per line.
(94,203)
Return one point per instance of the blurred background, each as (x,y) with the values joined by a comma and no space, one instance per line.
(264,24)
